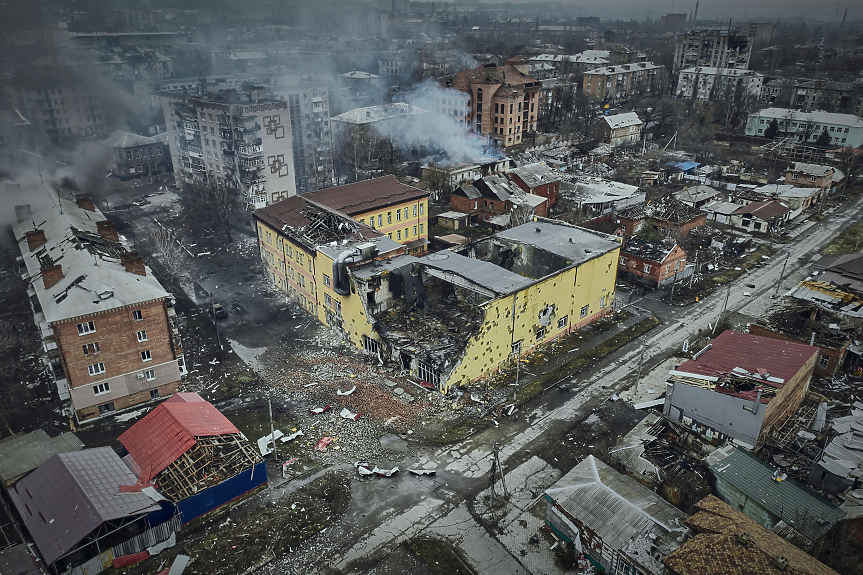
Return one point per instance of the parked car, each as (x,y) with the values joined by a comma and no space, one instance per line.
(219,311)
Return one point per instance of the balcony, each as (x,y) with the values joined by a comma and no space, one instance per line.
(195,151)
(248,128)
(252,178)
(251,164)
(247,151)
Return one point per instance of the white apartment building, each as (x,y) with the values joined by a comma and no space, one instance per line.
(846,130)
(710,84)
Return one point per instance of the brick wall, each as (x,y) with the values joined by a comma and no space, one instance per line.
(164,390)
(119,348)
(835,355)
(788,399)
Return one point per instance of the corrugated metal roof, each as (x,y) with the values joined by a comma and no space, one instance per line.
(368,195)
(72,494)
(168,431)
(797,505)
(22,453)
(781,359)
(614,506)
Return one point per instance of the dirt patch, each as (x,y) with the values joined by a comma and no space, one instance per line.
(237,537)
(848,241)
(439,557)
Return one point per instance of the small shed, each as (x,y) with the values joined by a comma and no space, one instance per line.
(453,220)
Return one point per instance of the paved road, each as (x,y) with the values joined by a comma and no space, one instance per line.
(468,462)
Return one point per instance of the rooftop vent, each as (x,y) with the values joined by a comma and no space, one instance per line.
(781,563)
(744,538)
(538,230)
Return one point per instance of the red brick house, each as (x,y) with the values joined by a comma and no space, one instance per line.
(133,155)
(806,175)
(537,179)
(670,216)
(494,198)
(109,328)
(654,264)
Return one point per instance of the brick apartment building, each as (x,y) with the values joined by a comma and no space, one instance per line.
(133,155)
(617,83)
(503,100)
(108,326)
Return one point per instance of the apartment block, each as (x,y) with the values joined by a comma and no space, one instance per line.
(710,84)
(108,326)
(241,138)
(503,101)
(717,48)
(616,83)
(845,130)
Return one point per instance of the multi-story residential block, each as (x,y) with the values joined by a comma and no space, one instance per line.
(133,155)
(503,101)
(710,84)
(107,324)
(62,107)
(616,83)
(239,137)
(357,280)
(828,96)
(717,48)
(311,134)
(845,130)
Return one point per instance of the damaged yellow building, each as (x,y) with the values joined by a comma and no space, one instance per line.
(450,317)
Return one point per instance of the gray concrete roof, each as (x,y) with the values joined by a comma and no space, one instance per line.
(486,274)
(576,244)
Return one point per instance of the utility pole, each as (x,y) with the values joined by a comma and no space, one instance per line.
(272,429)
(497,461)
(725,305)
(640,363)
(695,271)
(671,297)
(781,275)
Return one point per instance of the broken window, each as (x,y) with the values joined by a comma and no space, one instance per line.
(584,311)
(516,347)
(372,346)
(561,323)
(91,348)
(825,359)
(540,333)
(427,373)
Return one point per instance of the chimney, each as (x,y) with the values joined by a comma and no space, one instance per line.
(133,263)
(51,275)
(86,203)
(22,212)
(35,239)
(108,230)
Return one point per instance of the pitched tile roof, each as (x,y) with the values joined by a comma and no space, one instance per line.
(716,551)
(73,493)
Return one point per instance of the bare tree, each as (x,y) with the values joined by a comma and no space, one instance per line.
(212,203)
(167,249)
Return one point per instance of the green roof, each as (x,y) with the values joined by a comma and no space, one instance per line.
(787,499)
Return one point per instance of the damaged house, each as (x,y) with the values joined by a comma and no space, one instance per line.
(806,322)
(740,386)
(195,456)
(655,264)
(76,512)
(619,524)
(450,317)
(498,201)
(108,326)
(670,217)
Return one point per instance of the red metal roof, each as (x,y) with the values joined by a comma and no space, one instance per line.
(164,434)
(187,397)
(781,359)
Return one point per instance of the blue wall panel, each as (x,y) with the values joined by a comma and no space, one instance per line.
(218,495)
